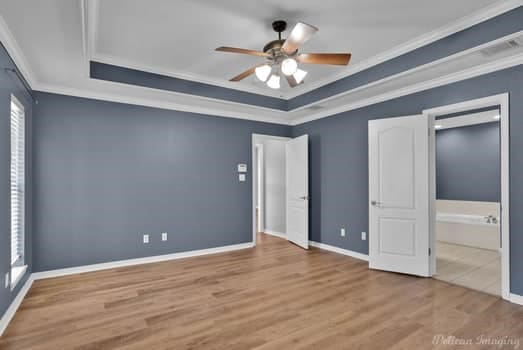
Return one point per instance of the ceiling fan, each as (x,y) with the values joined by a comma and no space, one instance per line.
(282,56)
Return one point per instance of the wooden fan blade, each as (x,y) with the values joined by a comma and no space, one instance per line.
(341,59)
(292,82)
(245,74)
(242,51)
(299,35)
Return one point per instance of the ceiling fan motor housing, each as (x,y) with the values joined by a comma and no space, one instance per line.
(274,48)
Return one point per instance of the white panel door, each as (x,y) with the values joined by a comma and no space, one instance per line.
(297,184)
(399,195)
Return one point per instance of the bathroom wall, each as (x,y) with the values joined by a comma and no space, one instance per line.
(468,163)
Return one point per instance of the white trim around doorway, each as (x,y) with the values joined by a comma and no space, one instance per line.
(501,100)
(256,140)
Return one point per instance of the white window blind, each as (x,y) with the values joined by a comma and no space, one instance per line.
(17,181)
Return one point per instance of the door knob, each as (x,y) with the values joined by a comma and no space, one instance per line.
(375,203)
(304,198)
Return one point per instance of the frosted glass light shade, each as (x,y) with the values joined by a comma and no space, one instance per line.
(263,72)
(274,82)
(289,66)
(299,75)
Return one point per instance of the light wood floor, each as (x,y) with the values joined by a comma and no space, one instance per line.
(470,267)
(276,296)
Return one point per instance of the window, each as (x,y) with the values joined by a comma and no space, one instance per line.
(17,190)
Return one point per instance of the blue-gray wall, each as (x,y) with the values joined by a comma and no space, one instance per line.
(468,163)
(9,84)
(339,165)
(106,173)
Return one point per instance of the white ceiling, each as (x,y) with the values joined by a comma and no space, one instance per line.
(53,40)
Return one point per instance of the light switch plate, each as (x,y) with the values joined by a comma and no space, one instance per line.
(364,236)
(242,168)
(7,279)
(241,177)
(164,236)
(146,238)
(342,232)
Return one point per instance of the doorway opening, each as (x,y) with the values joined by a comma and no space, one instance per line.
(469,194)
(403,207)
(269,188)
(280,200)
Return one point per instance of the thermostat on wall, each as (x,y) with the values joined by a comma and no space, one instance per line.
(242,168)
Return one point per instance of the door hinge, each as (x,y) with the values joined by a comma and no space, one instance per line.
(430,252)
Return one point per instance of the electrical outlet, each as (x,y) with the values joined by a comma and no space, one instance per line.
(7,279)
(342,232)
(146,238)
(364,236)
(164,236)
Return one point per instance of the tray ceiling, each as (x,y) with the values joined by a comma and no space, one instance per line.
(179,37)
(53,41)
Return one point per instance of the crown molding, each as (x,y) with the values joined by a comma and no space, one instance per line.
(414,88)
(274,118)
(425,39)
(108,59)
(228,108)
(91,11)
(83,16)
(163,104)
(12,47)
(419,68)
(452,28)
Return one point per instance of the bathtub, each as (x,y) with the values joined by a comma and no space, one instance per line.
(474,224)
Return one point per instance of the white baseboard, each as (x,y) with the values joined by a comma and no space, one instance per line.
(10,312)
(275,233)
(342,251)
(139,261)
(516,299)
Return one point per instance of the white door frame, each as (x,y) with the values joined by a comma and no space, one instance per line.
(257,140)
(258,178)
(501,100)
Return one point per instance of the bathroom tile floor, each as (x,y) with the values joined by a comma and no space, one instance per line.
(475,268)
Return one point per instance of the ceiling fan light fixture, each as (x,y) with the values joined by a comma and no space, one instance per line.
(283,57)
(299,75)
(263,72)
(274,82)
(289,66)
